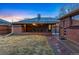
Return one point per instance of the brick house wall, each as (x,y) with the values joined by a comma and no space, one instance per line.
(5,29)
(72,34)
(17,29)
(68,31)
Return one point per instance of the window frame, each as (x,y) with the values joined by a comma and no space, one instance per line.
(73,24)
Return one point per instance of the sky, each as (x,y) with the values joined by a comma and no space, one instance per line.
(18,11)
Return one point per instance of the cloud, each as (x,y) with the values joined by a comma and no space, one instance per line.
(11,18)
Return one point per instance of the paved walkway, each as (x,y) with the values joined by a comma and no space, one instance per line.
(59,48)
(63,47)
(72,46)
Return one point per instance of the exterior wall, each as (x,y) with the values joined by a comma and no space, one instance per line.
(69,31)
(4,29)
(67,22)
(17,29)
(64,24)
(38,27)
(72,34)
(61,28)
(28,29)
(55,28)
(23,28)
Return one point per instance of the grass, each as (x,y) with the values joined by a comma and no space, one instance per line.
(25,45)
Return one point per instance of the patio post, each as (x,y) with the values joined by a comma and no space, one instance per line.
(12,29)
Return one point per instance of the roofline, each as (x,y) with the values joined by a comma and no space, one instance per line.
(72,13)
(33,22)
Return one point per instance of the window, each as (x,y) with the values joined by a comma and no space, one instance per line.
(75,20)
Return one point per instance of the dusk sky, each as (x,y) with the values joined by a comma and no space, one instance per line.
(19,11)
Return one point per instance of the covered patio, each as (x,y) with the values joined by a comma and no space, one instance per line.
(34,27)
(37,24)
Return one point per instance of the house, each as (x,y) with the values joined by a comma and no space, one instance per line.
(5,27)
(37,24)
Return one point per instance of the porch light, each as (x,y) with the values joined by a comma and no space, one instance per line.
(34,24)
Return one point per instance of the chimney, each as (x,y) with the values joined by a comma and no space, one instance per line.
(38,16)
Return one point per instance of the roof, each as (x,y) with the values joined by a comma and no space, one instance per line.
(41,20)
(4,22)
(74,12)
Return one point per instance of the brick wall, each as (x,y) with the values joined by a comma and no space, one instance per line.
(17,29)
(68,32)
(66,22)
(4,29)
(73,34)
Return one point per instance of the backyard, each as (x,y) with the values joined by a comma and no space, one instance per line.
(25,45)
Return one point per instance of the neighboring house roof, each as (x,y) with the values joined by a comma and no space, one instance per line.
(4,22)
(41,20)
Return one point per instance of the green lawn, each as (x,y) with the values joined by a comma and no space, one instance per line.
(25,45)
